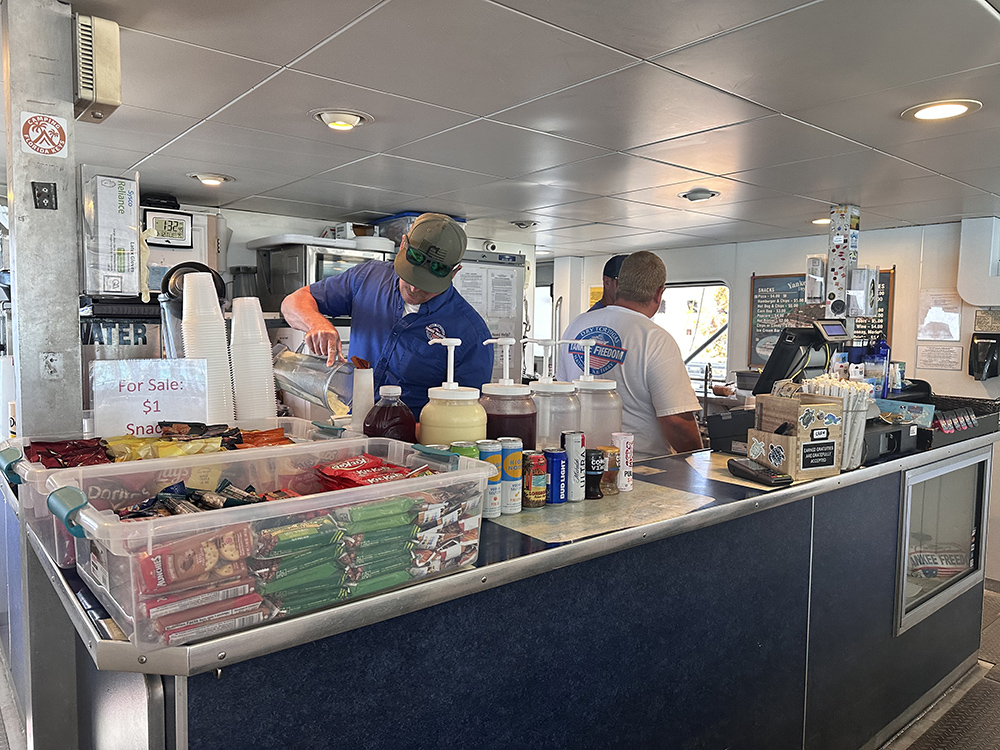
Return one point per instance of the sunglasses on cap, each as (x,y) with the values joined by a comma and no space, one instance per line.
(419,258)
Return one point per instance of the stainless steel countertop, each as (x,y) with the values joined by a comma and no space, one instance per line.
(230,649)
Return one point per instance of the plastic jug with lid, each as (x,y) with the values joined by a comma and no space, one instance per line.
(510,410)
(390,417)
(600,404)
(556,401)
(453,412)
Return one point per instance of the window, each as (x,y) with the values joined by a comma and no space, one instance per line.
(697,316)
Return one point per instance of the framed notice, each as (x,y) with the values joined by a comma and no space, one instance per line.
(778,301)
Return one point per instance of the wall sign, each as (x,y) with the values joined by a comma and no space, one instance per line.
(131,395)
(43,134)
(778,301)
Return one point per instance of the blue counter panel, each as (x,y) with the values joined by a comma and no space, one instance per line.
(663,645)
(861,677)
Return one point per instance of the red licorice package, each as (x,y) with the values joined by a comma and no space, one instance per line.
(61,454)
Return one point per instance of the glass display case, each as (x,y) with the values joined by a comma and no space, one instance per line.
(942,539)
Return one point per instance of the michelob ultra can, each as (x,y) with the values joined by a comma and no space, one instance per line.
(510,475)
(573,443)
(625,443)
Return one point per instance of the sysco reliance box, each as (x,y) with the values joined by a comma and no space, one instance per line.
(111,237)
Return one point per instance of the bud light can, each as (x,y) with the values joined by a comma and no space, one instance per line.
(556,466)
(510,475)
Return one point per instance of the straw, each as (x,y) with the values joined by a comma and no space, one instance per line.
(856,397)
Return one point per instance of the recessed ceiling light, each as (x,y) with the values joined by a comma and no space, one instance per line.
(210,179)
(543,252)
(698,194)
(942,110)
(820,221)
(341,119)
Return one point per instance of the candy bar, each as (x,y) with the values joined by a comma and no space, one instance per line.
(192,557)
(215,627)
(376,509)
(208,612)
(297,537)
(273,569)
(205,594)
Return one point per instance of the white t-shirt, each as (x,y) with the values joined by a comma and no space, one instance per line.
(646,363)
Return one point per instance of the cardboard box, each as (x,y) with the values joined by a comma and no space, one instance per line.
(800,436)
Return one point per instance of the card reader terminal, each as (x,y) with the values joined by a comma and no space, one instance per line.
(747,468)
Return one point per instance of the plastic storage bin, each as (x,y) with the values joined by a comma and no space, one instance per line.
(32,489)
(172,580)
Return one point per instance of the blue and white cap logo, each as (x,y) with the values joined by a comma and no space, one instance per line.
(604,355)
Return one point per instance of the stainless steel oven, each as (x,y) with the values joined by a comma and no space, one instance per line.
(284,267)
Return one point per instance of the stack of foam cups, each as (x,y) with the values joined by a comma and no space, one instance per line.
(203,330)
(253,373)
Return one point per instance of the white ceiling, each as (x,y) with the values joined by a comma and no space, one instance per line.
(585,116)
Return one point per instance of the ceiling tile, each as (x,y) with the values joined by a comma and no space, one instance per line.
(611,174)
(730,191)
(633,107)
(169,174)
(827,51)
(283,207)
(764,142)
(450,54)
(598,209)
(494,148)
(133,129)
(234,26)
(598,231)
(816,178)
(170,76)
(938,211)
(669,219)
(873,119)
(354,197)
(105,157)
(891,192)
(639,27)
(282,105)
(515,195)
(257,149)
(742,232)
(959,152)
(788,210)
(406,175)
(986,179)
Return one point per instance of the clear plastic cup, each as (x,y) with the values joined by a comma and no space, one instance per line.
(248,321)
(200,298)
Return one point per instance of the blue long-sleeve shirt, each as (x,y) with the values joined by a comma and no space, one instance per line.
(396,343)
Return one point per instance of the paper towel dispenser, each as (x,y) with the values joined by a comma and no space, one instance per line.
(984,353)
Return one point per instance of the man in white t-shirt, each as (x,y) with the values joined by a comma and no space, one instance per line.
(658,402)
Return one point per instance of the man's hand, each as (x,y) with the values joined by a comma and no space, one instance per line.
(325,340)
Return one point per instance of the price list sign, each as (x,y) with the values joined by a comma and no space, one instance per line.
(130,396)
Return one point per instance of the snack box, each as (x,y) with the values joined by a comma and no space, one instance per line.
(32,489)
(173,580)
(799,436)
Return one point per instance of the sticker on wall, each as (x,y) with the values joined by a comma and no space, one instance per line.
(756,448)
(43,134)
(776,455)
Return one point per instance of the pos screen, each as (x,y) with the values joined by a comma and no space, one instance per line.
(832,330)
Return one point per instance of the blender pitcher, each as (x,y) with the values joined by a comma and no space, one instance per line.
(308,377)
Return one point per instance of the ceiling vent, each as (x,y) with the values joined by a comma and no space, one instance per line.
(97,81)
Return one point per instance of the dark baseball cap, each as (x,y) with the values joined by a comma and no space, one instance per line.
(434,245)
(613,266)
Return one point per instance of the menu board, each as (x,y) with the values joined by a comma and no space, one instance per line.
(778,301)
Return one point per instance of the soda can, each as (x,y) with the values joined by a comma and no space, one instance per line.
(556,465)
(573,443)
(490,450)
(625,443)
(535,480)
(510,475)
(443,447)
(465,448)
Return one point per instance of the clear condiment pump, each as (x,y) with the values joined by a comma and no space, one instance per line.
(453,412)
(510,410)
(556,401)
(600,404)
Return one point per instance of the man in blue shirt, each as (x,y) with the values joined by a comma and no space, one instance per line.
(396,309)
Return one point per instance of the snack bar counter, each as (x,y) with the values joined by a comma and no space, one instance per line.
(698,610)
